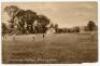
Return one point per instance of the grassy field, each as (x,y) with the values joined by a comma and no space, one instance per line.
(54,48)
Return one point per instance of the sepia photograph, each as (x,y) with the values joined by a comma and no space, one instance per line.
(49,32)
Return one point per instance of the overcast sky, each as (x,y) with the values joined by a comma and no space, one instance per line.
(66,14)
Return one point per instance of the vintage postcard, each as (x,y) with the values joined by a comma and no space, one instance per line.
(49,32)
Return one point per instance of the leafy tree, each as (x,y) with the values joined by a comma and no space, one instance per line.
(4,29)
(52,26)
(91,26)
(24,20)
(43,21)
(11,11)
(76,29)
(56,28)
(31,17)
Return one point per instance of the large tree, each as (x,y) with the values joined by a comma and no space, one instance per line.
(31,17)
(11,11)
(43,21)
(24,20)
(91,26)
(19,21)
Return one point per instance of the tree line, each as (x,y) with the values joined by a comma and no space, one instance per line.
(29,22)
(91,26)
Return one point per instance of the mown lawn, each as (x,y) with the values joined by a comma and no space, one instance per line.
(54,48)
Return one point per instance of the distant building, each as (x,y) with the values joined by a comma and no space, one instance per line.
(50,31)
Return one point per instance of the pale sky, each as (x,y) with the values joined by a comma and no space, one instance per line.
(65,14)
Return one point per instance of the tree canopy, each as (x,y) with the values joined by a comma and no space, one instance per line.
(91,26)
(24,19)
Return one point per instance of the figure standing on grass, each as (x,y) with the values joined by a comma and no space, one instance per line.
(43,35)
(43,32)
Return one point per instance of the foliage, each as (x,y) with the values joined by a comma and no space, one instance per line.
(24,20)
(4,29)
(28,21)
(91,26)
